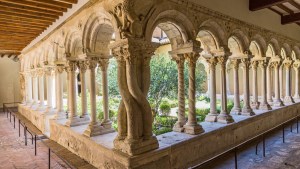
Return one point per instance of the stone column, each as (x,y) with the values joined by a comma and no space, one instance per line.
(35,88)
(213,114)
(277,100)
(29,88)
(84,112)
(281,81)
(247,110)
(288,97)
(181,94)
(59,93)
(192,127)
(73,118)
(296,68)
(106,123)
(207,69)
(237,107)
(224,116)
(227,80)
(269,84)
(254,103)
(41,88)
(264,105)
(94,128)
(134,114)
(49,87)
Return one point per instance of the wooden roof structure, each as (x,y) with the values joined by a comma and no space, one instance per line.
(21,21)
(289,10)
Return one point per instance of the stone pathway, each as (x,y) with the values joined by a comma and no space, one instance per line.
(15,155)
(279,155)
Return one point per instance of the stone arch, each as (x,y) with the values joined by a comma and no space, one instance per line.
(270,51)
(73,43)
(216,31)
(258,42)
(288,50)
(296,49)
(241,39)
(174,23)
(98,31)
(275,46)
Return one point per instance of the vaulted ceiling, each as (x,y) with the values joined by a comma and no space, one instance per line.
(289,10)
(23,20)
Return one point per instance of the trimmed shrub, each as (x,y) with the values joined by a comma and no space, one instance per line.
(165,108)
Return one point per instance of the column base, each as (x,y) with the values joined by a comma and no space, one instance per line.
(296,96)
(265,106)
(269,100)
(255,105)
(247,111)
(225,118)
(278,103)
(236,111)
(178,127)
(75,121)
(288,100)
(193,129)
(85,117)
(96,129)
(135,147)
(211,117)
(60,115)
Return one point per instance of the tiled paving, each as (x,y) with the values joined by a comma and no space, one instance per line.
(15,155)
(279,155)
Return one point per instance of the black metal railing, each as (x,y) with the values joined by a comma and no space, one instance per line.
(34,137)
(261,137)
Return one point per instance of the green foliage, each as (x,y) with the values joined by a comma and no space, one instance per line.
(230,105)
(165,108)
(163,124)
(162,130)
(204,98)
(201,114)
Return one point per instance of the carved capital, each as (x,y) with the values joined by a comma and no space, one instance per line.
(235,63)
(222,60)
(263,63)
(71,66)
(103,63)
(59,69)
(212,62)
(40,72)
(179,59)
(192,58)
(48,71)
(296,66)
(254,64)
(245,63)
(82,65)
(287,65)
(92,64)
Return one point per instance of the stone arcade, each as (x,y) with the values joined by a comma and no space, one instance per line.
(123,29)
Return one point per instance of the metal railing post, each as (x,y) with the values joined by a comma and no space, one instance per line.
(35,145)
(25,134)
(49,158)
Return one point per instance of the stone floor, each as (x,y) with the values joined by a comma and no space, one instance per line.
(279,155)
(15,155)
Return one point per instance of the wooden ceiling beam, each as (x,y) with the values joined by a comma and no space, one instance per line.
(36,5)
(21,26)
(288,10)
(30,9)
(275,11)
(18,29)
(52,3)
(255,5)
(24,12)
(294,4)
(14,31)
(37,18)
(68,1)
(26,20)
(290,18)
(23,22)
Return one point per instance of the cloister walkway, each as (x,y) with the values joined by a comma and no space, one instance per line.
(15,155)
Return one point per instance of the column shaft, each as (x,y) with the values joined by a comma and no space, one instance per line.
(264,105)
(255,103)
(237,107)
(247,110)
(296,68)
(269,84)
(288,97)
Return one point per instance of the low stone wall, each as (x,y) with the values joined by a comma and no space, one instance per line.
(177,150)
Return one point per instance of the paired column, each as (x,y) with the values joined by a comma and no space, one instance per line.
(255,103)
(277,100)
(28,88)
(72,115)
(224,116)
(247,110)
(94,127)
(296,68)
(237,107)
(288,97)
(59,92)
(82,68)
(35,88)
(264,105)
(49,88)
(281,81)
(106,123)
(181,96)
(213,114)
(41,88)
(269,84)
(192,127)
